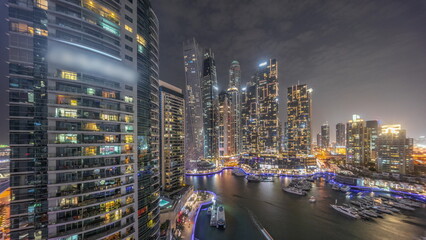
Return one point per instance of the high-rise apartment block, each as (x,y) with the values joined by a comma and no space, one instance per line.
(394,150)
(357,142)
(340,134)
(193,61)
(234,93)
(225,121)
(83,82)
(172,132)
(249,130)
(325,136)
(299,104)
(210,97)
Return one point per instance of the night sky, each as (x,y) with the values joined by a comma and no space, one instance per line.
(365,57)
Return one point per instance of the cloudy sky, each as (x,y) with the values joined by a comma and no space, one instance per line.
(365,57)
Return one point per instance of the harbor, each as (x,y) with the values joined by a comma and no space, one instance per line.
(263,210)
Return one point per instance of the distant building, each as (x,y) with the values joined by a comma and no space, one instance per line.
(340,134)
(319,140)
(267,84)
(394,150)
(225,122)
(249,130)
(372,127)
(299,104)
(210,95)
(172,134)
(234,95)
(325,136)
(357,142)
(193,60)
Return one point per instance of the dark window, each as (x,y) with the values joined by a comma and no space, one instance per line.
(129,58)
(129,9)
(128,18)
(129,38)
(128,48)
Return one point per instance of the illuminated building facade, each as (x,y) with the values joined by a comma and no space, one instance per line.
(340,134)
(172,132)
(193,60)
(83,81)
(299,104)
(394,150)
(372,127)
(267,110)
(319,140)
(357,142)
(325,136)
(210,95)
(249,130)
(235,105)
(225,122)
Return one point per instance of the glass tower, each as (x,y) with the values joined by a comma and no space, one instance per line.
(340,134)
(235,105)
(325,136)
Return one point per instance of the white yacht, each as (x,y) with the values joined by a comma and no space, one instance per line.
(238,172)
(253,178)
(345,188)
(312,199)
(295,191)
(213,218)
(220,223)
(345,210)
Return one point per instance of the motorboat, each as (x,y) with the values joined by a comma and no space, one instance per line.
(295,191)
(253,178)
(345,188)
(346,211)
(220,223)
(238,172)
(312,199)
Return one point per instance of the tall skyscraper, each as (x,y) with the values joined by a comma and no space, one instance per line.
(210,95)
(395,150)
(319,140)
(267,111)
(172,132)
(372,128)
(299,104)
(235,98)
(77,70)
(225,121)
(357,143)
(249,130)
(193,60)
(340,134)
(325,135)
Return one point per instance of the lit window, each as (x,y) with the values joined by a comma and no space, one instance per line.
(141,40)
(109,117)
(66,138)
(73,102)
(65,112)
(128,118)
(128,28)
(140,48)
(41,32)
(42,4)
(128,138)
(69,75)
(22,28)
(128,99)
(91,91)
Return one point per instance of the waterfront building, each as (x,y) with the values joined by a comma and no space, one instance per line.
(193,61)
(249,130)
(267,111)
(340,134)
(357,142)
(172,132)
(372,128)
(83,82)
(225,122)
(299,107)
(235,105)
(319,140)
(210,95)
(394,150)
(325,136)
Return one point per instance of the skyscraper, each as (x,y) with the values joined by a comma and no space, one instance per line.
(319,140)
(299,102)
(249,130)
(325,135)
(235,105)
(76,72)
(372,128)
(172,132)
(193,60)
(357,143)
(210,95)
(225,121)
(340,134)
(395,150)
(267,111)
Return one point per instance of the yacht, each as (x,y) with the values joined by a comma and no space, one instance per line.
(383,209)
(221,223)
(312,199)
(345,189)
(335,187)
(213,218)
(253,178)
(347,211)
(295,191)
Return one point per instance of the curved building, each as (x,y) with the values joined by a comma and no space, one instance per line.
(83,81)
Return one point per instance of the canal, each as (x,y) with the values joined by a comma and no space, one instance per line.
(249,206)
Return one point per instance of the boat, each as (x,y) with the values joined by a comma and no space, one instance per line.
(402,206)
(347,211)
(359,194)
(348,193)
(383,209)
(253,178)
(335,187)
(370,213)
(266,179)
(209,211)
(345,189)
(213,218)
(238,172)
(312,199)
(409,203)
(295,191)
(221,223)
